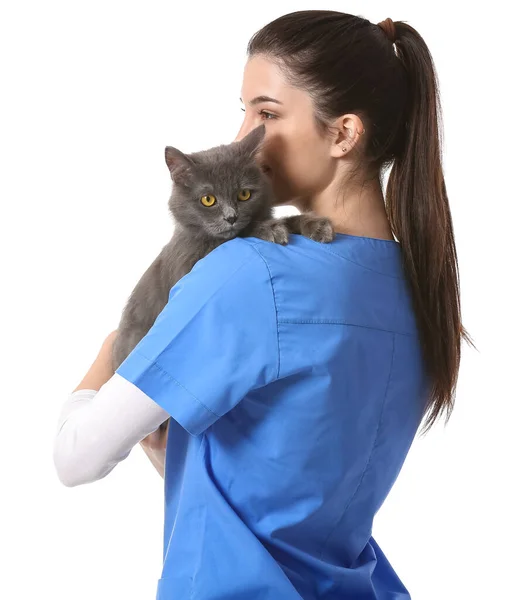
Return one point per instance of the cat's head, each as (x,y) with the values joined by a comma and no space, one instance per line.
(221,190)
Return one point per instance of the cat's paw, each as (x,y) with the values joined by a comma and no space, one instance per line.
(272,230)
(319,229)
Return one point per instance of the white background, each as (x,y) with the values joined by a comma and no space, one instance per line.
(92,92)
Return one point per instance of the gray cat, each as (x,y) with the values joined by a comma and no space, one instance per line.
(218,194)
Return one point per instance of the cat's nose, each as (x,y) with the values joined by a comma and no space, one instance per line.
(230,220)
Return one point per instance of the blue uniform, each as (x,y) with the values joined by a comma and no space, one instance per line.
(295,380)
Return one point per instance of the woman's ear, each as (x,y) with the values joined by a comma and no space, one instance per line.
(348,130)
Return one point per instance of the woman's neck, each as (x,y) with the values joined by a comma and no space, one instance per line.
(358,210)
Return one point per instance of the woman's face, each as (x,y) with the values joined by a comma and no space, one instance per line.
(295,152)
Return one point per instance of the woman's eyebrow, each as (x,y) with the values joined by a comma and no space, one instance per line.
(260,99)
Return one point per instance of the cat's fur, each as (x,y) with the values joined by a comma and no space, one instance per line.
(222,172)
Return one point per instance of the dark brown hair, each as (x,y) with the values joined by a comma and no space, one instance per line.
(350,65)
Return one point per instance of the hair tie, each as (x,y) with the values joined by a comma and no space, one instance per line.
(389,28)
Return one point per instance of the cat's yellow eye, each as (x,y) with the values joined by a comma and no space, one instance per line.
(208,200)
(244,195)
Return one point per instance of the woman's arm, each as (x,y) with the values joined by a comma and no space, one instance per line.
(101,370)
(101,422)
(154,445)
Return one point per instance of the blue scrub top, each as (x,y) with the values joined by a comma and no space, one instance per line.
(295,381)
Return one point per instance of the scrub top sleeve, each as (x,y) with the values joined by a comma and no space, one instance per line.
(214,342)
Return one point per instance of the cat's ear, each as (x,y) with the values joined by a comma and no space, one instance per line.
(179,165)
(252,142)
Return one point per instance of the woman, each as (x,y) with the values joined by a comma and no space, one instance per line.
(297,376)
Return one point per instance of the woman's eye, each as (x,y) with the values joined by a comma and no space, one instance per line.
(264,113)
(208,200)
(244,195)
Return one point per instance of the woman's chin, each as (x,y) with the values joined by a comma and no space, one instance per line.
(281,198)
(281,195)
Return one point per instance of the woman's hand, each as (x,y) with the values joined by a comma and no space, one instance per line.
(154,446)
(102,369)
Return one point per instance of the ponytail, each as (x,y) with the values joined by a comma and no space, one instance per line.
(419,213)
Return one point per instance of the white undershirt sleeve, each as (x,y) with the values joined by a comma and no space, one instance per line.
(97,430)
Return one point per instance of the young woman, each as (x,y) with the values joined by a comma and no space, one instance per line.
(297,376)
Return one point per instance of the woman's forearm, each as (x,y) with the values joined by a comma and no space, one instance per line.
(98,429)
(100,422)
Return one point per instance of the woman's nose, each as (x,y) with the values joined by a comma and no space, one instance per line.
(247,126)
(242,132)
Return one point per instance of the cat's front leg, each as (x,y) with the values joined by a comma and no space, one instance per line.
(319,229)
(271,230)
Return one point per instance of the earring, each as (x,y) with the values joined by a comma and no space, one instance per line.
(343,148)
